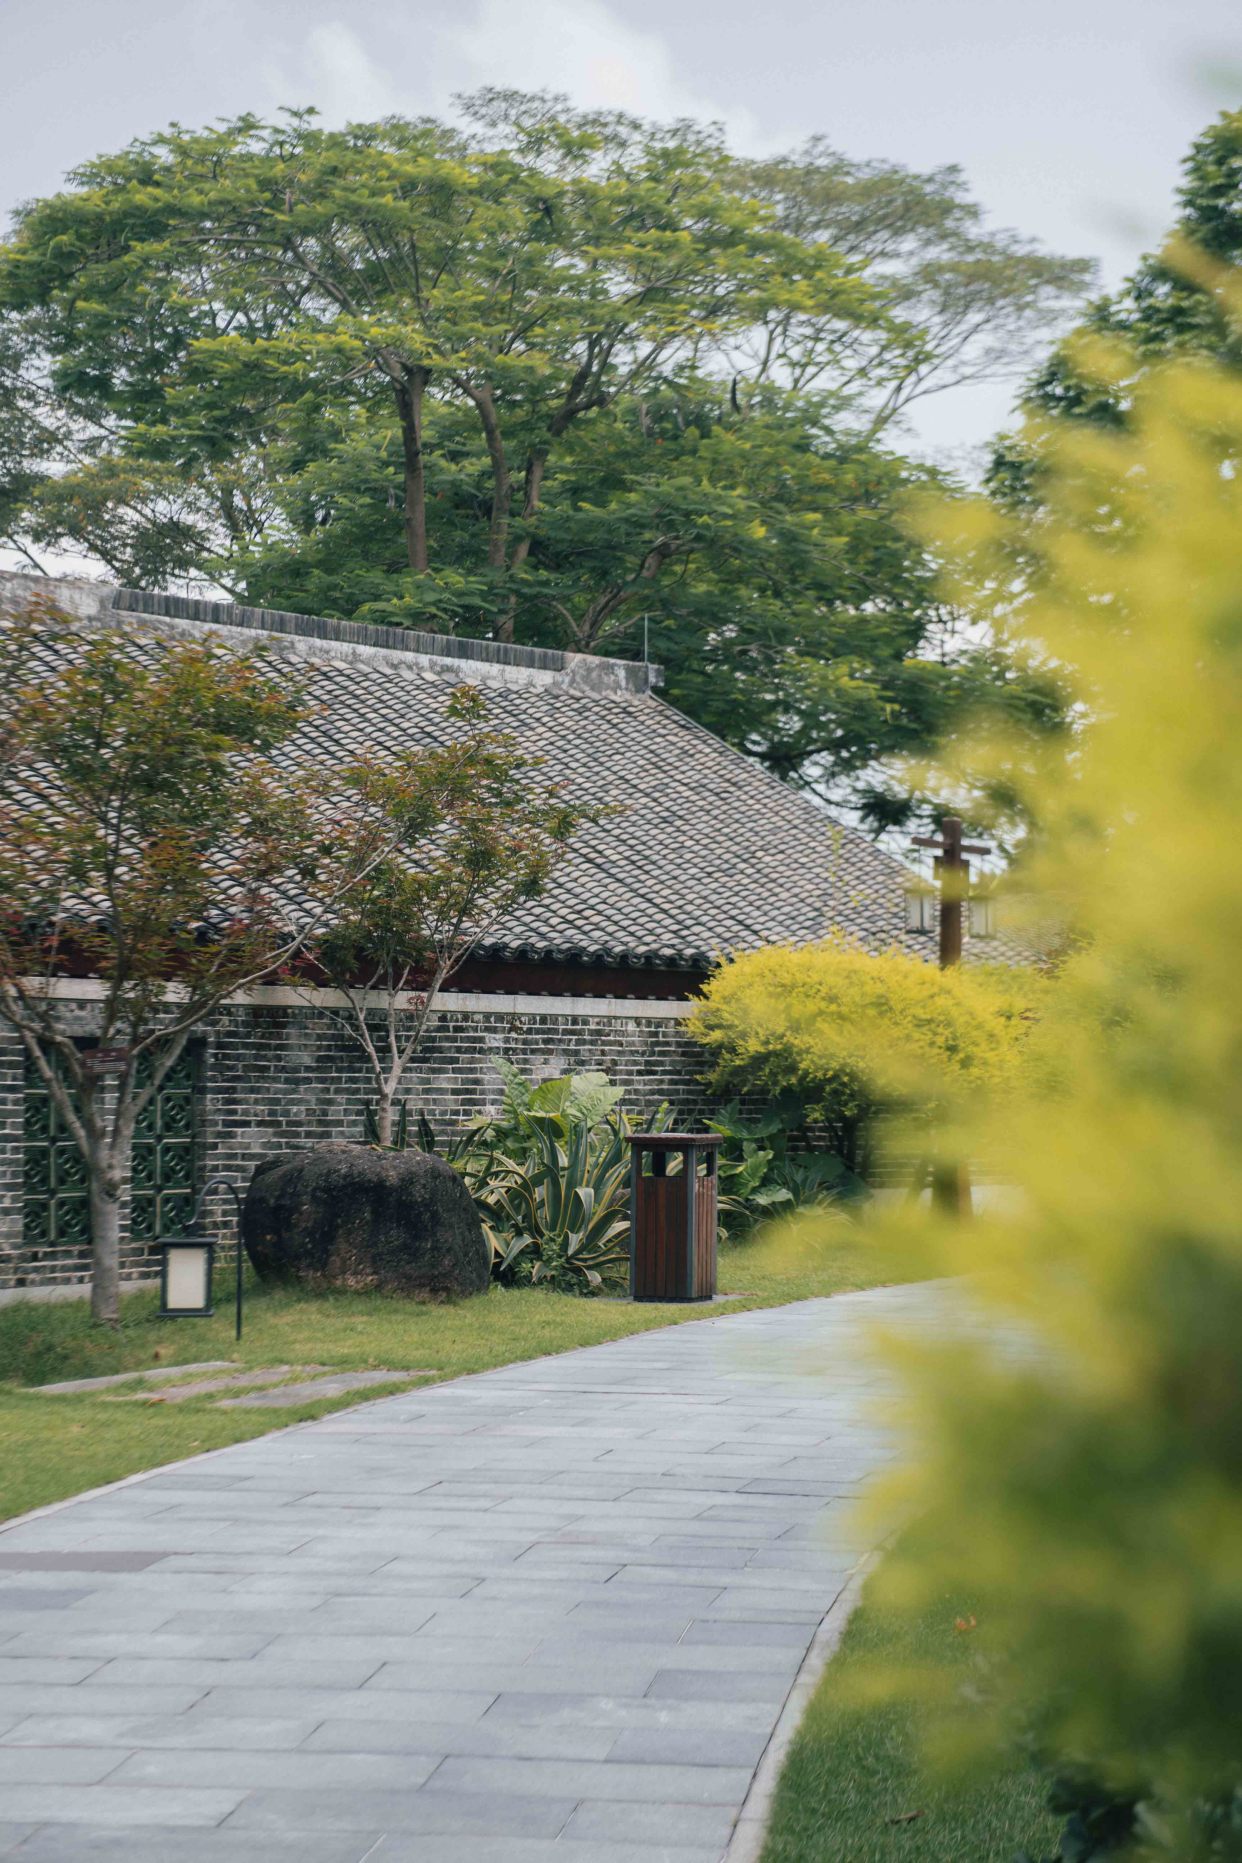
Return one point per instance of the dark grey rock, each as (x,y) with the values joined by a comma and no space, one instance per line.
(350,1216)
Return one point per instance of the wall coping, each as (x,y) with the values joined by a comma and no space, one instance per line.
(459,1002)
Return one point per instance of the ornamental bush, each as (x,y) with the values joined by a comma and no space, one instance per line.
(853,1035)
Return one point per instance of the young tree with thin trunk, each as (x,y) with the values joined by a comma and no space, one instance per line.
(457,837)
(147,841)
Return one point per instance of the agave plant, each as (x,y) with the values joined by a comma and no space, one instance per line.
(550,1174)
(563,1208)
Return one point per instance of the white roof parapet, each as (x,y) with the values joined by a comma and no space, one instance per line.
(490,660)
(77,595)
(487,659)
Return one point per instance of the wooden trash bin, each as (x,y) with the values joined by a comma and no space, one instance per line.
(673,1215)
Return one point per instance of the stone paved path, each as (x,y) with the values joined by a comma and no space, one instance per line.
(545,1615)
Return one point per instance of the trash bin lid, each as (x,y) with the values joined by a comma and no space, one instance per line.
(674,1141)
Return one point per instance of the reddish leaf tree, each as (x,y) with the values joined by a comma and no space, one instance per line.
(148,841)
(455,838)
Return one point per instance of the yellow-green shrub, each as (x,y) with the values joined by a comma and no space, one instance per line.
(1087,1490)
(852,1033)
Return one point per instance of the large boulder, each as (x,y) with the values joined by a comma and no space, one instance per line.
(351,1216)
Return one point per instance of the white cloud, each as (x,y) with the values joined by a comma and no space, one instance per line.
(421,59)
(582,48)
(340,77)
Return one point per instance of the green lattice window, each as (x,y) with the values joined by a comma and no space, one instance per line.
(165,1164)
(56,1212)
(164,1172)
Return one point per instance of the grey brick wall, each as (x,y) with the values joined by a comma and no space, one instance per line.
(12,1079)
(278,1077)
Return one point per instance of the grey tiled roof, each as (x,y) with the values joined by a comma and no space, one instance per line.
(707,854)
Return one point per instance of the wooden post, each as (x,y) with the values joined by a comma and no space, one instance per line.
(951,1182)
(954,872)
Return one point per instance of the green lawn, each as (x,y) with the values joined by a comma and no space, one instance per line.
(51,1447)
(853,1790)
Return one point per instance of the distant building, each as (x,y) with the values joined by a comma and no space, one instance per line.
(707,855)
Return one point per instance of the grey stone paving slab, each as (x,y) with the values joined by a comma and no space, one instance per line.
(201,1387)
(641,1782)
(56,1765)
(691,1746)
(162,1375)
(531,1850)
(305,1771)
(609,1822)
(183,1730)
(19,1598)
(168,1844)
(481,1739)
(49,1559)
(429,1811)
(549,1614)
(115,1806)
(618,1711)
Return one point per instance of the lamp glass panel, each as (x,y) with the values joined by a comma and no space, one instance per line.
(982,918)
(920,909)
(187,1277)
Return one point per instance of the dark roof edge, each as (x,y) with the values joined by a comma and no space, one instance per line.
(586,669)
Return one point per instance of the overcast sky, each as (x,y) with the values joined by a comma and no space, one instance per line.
(1069,117)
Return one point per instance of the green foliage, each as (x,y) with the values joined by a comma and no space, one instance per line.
(559,1212)
(552,376)
(398,1138)
(1088,1489)
(1098,1822)
(1170,307)
(758,1174)
(551,1175)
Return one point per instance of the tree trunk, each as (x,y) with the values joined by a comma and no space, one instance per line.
(951,1189)
(533,485)
(409,393)
(105,1201)
(502,487)
(383,1116)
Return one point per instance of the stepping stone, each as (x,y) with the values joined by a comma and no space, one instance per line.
(335,1386)
(177,1393)
(161,1376)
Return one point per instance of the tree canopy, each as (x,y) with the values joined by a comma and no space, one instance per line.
(553,376)
(1171,307)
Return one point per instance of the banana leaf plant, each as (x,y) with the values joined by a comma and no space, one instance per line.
(759,1176)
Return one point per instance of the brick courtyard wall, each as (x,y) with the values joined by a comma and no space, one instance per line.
(279,1075)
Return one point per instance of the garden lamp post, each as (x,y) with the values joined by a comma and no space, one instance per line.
(185,1277)
(953,873)
(951,1177)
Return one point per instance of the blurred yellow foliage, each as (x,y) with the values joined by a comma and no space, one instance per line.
(1079,1456)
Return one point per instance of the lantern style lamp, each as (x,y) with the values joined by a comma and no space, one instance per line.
(185,1277)
(982,915)
(922,907)
(185,1272)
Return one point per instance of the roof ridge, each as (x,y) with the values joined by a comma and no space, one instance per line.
(628,675)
